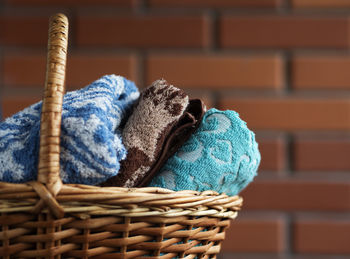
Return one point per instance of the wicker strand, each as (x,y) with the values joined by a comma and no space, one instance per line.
(49,161)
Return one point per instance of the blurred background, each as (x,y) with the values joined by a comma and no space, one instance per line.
(283,65)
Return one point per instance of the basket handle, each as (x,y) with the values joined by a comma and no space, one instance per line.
(51,113)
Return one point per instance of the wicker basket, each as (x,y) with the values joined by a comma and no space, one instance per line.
(48,219)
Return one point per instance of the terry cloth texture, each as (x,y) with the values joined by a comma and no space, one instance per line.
(222,155)
(180,133)
(91,145)
(159,109)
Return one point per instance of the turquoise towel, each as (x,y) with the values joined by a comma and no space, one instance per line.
(222,155)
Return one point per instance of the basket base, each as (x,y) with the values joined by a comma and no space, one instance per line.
(25,235)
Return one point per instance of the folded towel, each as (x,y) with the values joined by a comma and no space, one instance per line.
(91,145)
(222,155)
(158,110)
(180,133)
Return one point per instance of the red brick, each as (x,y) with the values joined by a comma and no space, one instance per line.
(28,70)
(255,234)
(215,3)
(71,3)
(273,154)
(143,31)
(206,98)
(320,3)
(83,69)
(324,72)
(14,104)
(24,70)
(315,235)
(297,194)
(23,30)
(217,71)
(284,32)
(321,154)
(243,255)
(292,113)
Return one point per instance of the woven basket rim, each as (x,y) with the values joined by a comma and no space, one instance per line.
(131,202)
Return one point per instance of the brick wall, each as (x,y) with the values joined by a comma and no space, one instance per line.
(284,66)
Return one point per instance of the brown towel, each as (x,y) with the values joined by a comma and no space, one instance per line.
(160,107)
(179,134)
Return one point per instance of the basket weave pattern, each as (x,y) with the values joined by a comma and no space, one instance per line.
(48,219)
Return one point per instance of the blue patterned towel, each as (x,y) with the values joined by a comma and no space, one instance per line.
(91,146)
(222,155)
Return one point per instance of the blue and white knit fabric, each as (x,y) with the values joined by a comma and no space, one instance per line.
(91,144)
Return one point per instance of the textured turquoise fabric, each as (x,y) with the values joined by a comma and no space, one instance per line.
(222,155)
